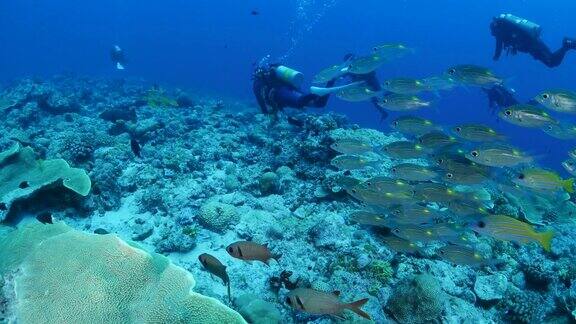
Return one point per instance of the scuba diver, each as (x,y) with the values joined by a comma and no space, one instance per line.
(500,97)
(277,87)
(516,34)
(117,56)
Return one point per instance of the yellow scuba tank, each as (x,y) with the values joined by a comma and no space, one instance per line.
(289,75)
(526,25)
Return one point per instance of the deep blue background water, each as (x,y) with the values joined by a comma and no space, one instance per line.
(211,46)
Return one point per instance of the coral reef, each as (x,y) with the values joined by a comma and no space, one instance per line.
(22,175)
(213,172)
(525,306)
(104,279)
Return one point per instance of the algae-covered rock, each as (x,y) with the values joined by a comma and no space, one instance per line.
(61,275)
(492,287)
(21,175)
(269,183)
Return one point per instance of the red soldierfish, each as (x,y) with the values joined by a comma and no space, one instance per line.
(250,251)
(215,267)
(321,303)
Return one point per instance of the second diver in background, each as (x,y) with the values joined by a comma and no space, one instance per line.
(117,56)
(516,34)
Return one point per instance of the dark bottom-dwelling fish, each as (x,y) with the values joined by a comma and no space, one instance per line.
(250,251)
(510,229)
(135,147)
(321,303)
(215,267)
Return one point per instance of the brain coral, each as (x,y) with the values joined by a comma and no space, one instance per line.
(217,216)
(419,300)
(67,276)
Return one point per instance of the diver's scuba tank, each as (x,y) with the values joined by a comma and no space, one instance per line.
(289,75)
(533,29)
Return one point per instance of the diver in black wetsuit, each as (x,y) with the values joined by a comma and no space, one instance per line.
(277,87)
(500,97)
(520,35)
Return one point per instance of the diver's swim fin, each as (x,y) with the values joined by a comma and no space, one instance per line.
(119,66)
(326,91)
(569,43)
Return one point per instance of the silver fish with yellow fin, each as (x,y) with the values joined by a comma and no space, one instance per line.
(506,228)
(559,100)
(411,125)
(526,116)
(351,146)
(401,102)
(473,75)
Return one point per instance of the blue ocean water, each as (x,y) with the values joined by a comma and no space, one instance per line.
(212,46)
